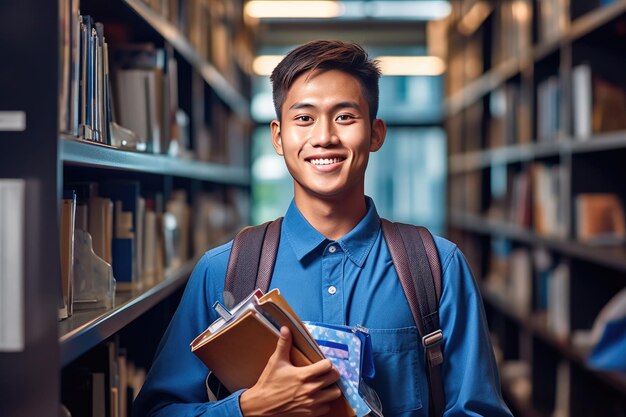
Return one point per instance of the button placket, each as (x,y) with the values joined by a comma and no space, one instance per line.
(332,276)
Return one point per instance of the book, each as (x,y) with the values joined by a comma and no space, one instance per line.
(224,347)
(600,219)
(68,215)
(13,252)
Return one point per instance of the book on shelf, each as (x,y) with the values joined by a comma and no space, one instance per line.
(600,219)
(549,186)
(558,288)
(102,382)
(69,66)
(146,92)
(598,101)
(550,112)
(224,347)
(562,399)
(513,29)
(13,205)
(66,234)
(125,195)
(553,16)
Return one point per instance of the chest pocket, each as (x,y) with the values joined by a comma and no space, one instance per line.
(400,379)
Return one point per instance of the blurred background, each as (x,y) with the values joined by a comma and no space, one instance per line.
(134,136)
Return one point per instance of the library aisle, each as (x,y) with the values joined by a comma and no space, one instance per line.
(133,137)
(535,116)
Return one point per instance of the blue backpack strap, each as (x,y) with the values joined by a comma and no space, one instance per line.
(417,263)
(251,261)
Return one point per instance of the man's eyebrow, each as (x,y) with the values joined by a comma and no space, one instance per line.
(341,105)
(301,105)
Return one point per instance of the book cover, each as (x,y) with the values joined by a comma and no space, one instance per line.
(225,347)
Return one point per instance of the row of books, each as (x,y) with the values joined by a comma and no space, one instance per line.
(509,116)
(534,198)
(125,95)
(598,105)
(531,282)
(466,193)
(84,90)
(513,23)
(598,101)
(214,28)
(113,237)
(101,383)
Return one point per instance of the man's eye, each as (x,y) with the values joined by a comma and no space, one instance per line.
(344,117)
(303,118)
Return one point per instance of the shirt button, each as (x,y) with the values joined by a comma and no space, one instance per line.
(332,290)
(332,249)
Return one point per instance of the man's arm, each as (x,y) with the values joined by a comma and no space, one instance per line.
(471,381)
(175,385)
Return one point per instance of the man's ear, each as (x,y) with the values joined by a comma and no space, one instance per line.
(277,142)
(379,131)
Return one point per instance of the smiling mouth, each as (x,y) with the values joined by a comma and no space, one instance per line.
(325,161)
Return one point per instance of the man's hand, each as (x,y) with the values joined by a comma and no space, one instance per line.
(287,390)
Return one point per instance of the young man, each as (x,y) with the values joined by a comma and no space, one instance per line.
(333,266)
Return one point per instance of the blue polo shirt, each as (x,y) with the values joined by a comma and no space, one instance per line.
(349,281)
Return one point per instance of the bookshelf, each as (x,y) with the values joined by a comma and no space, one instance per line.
(529,141)
(206,176)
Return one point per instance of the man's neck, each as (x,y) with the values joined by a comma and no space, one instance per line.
(333,218)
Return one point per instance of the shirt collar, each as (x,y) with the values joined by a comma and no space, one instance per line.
(357,244)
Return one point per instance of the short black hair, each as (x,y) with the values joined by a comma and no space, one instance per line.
(327,55)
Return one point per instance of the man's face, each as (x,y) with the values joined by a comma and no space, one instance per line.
(326,135)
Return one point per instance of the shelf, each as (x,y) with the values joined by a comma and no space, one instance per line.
(85,329)
(510,154)
(599,142)
(476,160)
(86,153)
(210,74)
(493,78)
(481,86)
(610,257)
(595,19)
(536,325)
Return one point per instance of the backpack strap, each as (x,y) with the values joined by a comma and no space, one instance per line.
(251,261)
(416,261)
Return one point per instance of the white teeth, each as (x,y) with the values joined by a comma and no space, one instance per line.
(324,161)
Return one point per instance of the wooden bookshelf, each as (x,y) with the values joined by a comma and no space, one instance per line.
(85,329)
(536,325)
(86,153)
(522,149)
(213,132)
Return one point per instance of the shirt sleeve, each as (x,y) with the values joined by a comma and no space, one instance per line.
(175,385)
(470,374)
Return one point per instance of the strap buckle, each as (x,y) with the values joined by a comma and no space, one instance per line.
(432,339)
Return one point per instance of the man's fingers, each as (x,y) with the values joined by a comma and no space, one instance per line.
(283,347)
(321,368)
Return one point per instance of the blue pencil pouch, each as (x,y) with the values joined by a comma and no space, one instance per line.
(350,351)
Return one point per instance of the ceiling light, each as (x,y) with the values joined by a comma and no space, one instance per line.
(411,65)
(293,9)
(265,64)
(413,10)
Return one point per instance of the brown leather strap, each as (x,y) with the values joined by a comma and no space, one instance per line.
(400,261)
(268,255)
(416,260)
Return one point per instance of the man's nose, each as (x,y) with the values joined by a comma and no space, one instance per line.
(324,133)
